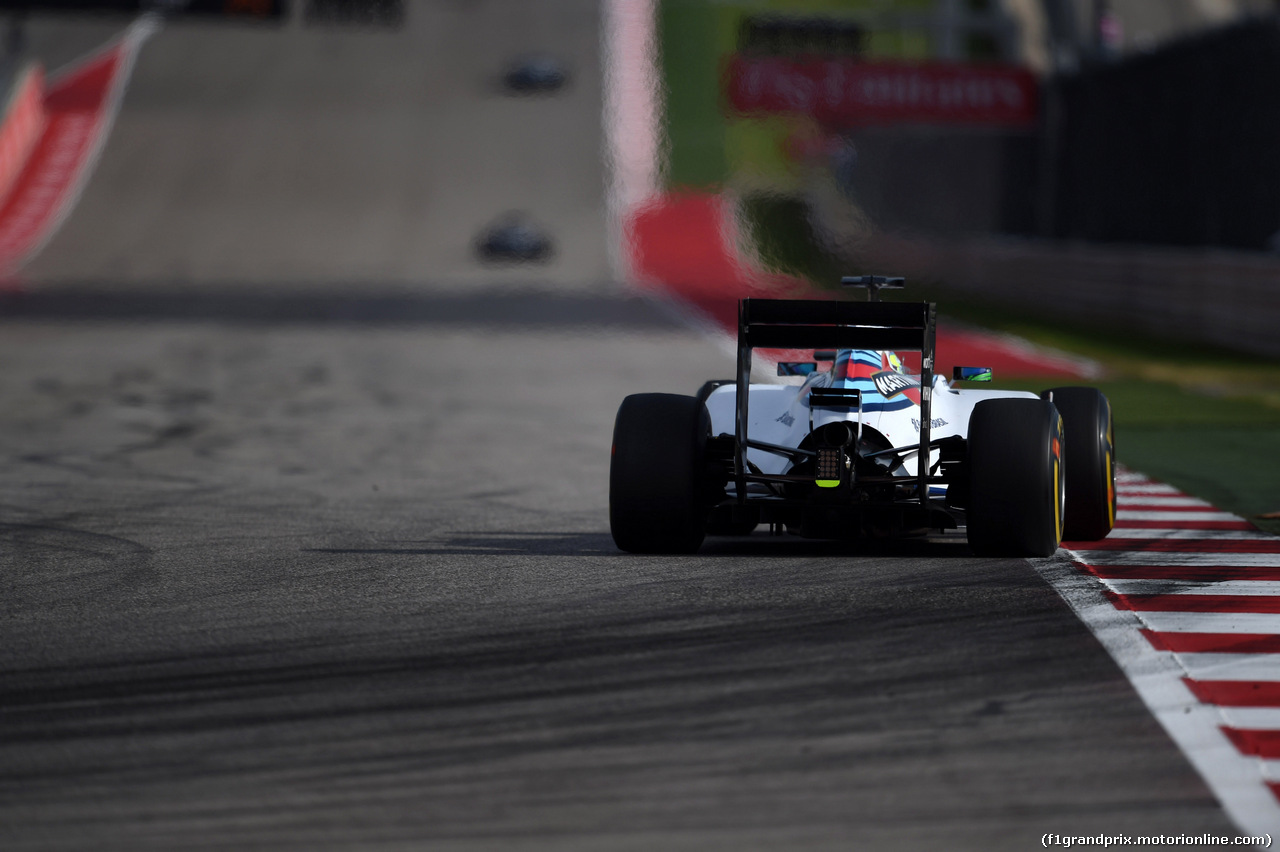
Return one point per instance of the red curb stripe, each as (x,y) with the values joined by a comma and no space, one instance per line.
(1264,744)
(1269,604)
(681,246)
(1182,545)
(1190,573)
(1213,643)
(1235,693)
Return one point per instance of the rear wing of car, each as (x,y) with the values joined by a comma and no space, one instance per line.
(816,324)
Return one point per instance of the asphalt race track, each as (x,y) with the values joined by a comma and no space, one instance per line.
(350,584)
(334,572)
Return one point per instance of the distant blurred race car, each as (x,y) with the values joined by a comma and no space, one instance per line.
(535,74)
(514,239)
(838,455)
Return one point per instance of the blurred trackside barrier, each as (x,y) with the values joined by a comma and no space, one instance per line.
(1158,196)
(1175,147)
(21,124)
(1224,297)
(1143,197)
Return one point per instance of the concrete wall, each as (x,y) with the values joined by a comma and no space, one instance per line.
(1227,298)
(945,181)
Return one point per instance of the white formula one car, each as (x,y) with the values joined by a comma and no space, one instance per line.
(839,455)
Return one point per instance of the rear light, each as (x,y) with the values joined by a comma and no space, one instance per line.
(830,467)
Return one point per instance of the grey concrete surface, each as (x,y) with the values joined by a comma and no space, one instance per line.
(1225,298)
(304,154)
(349,585)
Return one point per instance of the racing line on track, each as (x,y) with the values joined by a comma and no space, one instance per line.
(1186,598)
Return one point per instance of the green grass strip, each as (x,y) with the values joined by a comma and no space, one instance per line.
(1201,418)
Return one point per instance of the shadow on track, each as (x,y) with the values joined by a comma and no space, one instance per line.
(596,545)
(370,305)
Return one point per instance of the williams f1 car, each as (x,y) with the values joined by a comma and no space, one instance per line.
(859,445)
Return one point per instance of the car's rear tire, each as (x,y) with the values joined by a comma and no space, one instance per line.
(1089,463)
(1015,478)
(657,488)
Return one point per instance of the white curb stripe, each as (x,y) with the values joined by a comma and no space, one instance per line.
(1141,557)
(1256,719)
(1148,501)
(1175,533)
(1226,558)
(1213,622)
(1146,488)
(1188,587)
(1174,517)
(1256,667)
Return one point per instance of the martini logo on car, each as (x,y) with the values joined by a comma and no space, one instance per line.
(890,384)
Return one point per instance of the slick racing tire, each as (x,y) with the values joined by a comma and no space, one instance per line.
(1089,462)
(1015,478)
(657,490)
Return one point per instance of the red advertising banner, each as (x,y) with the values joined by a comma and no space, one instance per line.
(849,92)
(79,107)
(22,125)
